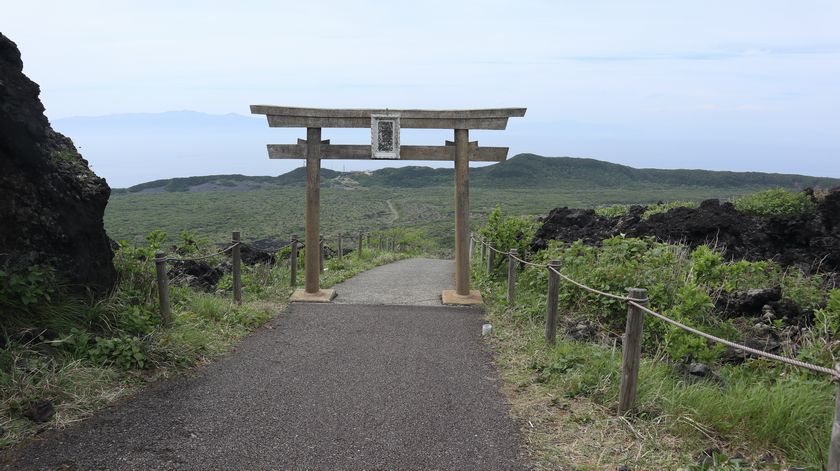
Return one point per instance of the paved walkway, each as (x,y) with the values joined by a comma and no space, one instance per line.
(335,386)
(416,282)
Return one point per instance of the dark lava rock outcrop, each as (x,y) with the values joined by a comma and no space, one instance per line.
(810,241)
(51,203)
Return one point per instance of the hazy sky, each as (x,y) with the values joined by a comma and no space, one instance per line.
(737,85)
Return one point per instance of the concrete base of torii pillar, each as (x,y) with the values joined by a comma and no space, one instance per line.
(451,297)
(321,296)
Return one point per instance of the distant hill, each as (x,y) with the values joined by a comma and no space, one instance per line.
(521,171)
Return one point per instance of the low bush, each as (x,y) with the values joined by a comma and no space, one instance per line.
(753,405)
(775,202)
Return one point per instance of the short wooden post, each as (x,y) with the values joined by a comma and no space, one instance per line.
(163,288)
(361,238)
(491,258)
(511,279)
(368,241)
(472,246)
(483,249)
(551,311)
(340,255)
(236,259)
(632,351)
(321,253)
(293,263)
(834,445)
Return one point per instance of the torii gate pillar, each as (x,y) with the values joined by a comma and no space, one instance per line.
(385,144)
(462,293)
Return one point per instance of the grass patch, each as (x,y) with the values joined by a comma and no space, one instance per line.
(565,396)
(775,202)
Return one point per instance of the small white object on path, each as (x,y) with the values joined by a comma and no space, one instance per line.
(486,329)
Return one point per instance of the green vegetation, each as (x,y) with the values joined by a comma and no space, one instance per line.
(82,355)
(775,202)
(277,213)
(521,171)
(754,407)
(617,210)
(525,185)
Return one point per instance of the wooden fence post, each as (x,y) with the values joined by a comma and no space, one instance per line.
(368,241)
(834,444)
(511,279)
(163,288)
(632,351)
(472,246)
(293,255)
(551,311)
(340,255)
(361,238)
(236,259)
(490,257)
(483,249)
(321,254)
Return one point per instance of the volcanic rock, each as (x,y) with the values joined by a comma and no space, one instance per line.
(750,301)
(808,241)
(196,273)
(40,411)
(51,203)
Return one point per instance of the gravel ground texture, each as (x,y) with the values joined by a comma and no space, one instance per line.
(416,282)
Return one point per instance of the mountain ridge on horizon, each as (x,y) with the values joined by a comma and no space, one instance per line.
(521,171)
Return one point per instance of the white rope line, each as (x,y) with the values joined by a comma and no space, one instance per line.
(538,265)
(761,353)
(636,302)
(172,259)
(509,255)
(592,290)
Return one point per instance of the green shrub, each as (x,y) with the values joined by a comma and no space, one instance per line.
(138,320)
(125,353)
(775,202)
(612,211)
(22,289)
(827,319)
(508,232)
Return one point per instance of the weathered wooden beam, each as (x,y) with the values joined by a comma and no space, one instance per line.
(365,113)
(303,141)
(276,121)
(362,152)
(461,153)
(313,211)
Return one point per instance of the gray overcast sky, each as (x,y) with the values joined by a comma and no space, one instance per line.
(736,85)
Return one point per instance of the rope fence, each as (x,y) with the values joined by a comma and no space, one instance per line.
(632,339)
(195,259)
(386,243)
(633,333)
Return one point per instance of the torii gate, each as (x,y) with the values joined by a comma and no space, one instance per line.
(385,144)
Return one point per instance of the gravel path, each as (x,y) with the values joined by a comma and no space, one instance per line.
(416,282)
(322,386)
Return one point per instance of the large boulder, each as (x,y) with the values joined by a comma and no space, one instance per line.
(51,203)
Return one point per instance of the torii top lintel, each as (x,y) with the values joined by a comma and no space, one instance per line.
(289,117)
